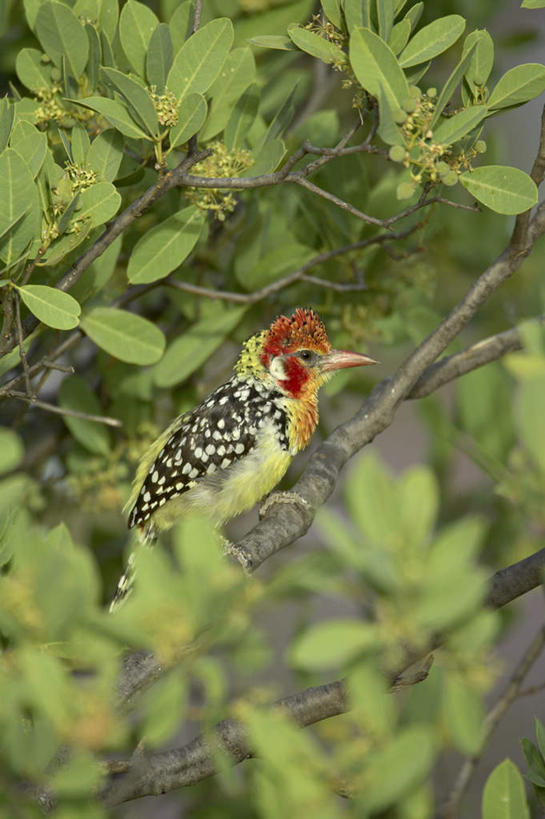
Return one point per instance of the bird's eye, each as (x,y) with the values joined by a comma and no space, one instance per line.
(305,355)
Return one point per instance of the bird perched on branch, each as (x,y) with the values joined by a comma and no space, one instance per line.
(232,450)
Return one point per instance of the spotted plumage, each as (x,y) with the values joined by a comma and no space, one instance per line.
(232,450)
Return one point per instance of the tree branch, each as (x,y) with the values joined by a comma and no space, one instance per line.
(158,772)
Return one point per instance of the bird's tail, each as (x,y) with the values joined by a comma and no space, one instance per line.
(146,536)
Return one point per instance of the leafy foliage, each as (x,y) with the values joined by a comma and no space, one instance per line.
(165,189)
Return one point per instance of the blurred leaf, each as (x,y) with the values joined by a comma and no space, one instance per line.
(164,708)
(165,246)
(333,643)
(51,306)
(200,59)
(191,115)
(124,335)
(464,715)
(518,85)
(531,394)
(74,394)
(189,351)
(503,795)
(79,776)
(11,450)
(532,4)
(540,734)
(419,502)
(137,23)
(407,760)
(500,188)
(373,502)
(376,66)
(62,36)
(432,40)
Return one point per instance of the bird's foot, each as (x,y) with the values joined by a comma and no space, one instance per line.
(282,497)
(231,550)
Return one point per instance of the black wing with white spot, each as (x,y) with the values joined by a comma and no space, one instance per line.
(222,430)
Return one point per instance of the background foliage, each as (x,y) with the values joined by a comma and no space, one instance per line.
(356,137)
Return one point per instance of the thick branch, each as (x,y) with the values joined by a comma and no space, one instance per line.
(159,772)
(282,526)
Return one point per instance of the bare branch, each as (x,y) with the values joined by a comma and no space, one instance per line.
(35,402)
(510,693)
(479,354)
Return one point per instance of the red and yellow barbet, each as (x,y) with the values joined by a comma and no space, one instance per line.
(232,450)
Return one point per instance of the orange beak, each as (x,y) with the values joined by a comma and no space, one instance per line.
(339,359)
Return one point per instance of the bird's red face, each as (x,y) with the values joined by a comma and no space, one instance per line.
(297,353)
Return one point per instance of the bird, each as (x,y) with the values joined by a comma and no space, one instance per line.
(227,454)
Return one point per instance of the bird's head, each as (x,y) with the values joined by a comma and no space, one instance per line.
(296,353)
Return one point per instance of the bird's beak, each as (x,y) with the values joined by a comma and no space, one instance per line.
(339,359)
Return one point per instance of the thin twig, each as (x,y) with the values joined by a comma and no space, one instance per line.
(86,416)
(510,693)
(531,690)
(21,343)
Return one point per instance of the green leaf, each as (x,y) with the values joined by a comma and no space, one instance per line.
(116,113)
(11,450)
(19,206)
(191,115)
(395,770)
(7,117)
(124,335)
(268,159)
(104,13)
(98,203)
(419,501)
(164,247)
(518,85)
(105,154)
(62,36)
(97,274)
(190,350)
(164,707)
(79,777)
(357,13)
(242,118)
(482,61)
(316,46)
(532,4)
(385,18)
(432,40)
(464,715)
(400,36)
(454,128)
(332,10)
(388,130)
(452,82)
(540,735)
(159,57)
(501,188)
(137,98)
(32,72)
(536,772)
(375,65)
(137,23)
(95,56)
(80,143)
(372,499)
(181,24)
(51,306)
(503,795)
(30,144)
(333,643)
(237,74)
(274,41)
(74,394)
(200,59)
